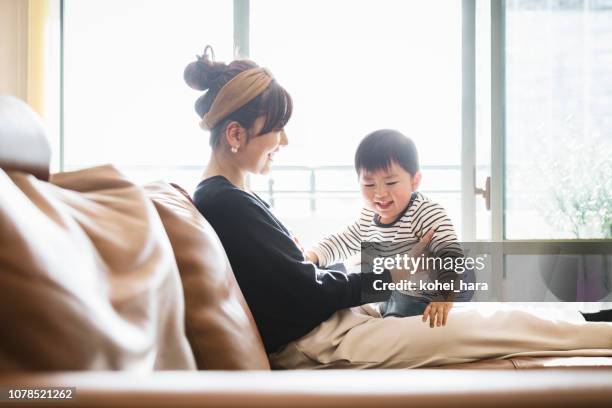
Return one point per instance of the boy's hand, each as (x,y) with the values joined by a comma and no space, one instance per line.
(437,312)
(397,275)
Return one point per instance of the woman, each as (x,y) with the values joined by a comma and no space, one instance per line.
(309,317)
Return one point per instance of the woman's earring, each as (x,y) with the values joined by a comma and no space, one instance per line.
(234,149)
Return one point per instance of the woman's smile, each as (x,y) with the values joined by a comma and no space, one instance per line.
(272,153)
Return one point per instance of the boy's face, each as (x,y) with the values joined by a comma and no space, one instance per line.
(387,192)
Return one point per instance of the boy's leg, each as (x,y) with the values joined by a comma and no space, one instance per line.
(403,305)
(352,338)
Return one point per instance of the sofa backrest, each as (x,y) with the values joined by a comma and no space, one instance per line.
(220,328)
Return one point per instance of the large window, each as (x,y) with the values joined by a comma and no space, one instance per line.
(558,119)
(354,67)
(351,66)
(125,99)
(518,91)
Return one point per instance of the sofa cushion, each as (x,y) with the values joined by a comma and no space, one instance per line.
(23,143)
(219,324)
(88,279)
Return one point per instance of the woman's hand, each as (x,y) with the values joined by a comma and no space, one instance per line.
(297,243)
(437,312)
(311,257)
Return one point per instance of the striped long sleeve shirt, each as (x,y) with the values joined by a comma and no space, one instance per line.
(399,237)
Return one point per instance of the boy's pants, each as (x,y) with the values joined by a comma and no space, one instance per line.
(403,305)
(360,338)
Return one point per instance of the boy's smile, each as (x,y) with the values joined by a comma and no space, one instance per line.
(383,205)
(387,191)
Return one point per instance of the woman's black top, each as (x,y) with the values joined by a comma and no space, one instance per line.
(287,295)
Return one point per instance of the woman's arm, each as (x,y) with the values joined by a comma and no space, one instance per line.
(287,296)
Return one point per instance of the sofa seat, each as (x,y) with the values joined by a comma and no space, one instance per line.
(568,387)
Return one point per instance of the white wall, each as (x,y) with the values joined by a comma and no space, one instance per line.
(13,47)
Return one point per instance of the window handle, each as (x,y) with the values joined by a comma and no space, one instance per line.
(485,193)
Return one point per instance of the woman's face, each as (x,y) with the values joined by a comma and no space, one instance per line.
(256,155)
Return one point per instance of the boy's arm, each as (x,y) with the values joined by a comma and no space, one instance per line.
(444,243)
(337,247)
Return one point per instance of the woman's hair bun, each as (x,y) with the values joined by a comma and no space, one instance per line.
(202,73)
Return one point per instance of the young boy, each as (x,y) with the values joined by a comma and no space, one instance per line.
(387,165)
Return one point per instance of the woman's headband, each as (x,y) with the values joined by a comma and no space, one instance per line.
(239,91)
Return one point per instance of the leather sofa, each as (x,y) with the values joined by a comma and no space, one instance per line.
(216,332)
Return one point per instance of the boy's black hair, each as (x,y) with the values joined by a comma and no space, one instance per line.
(382,147)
